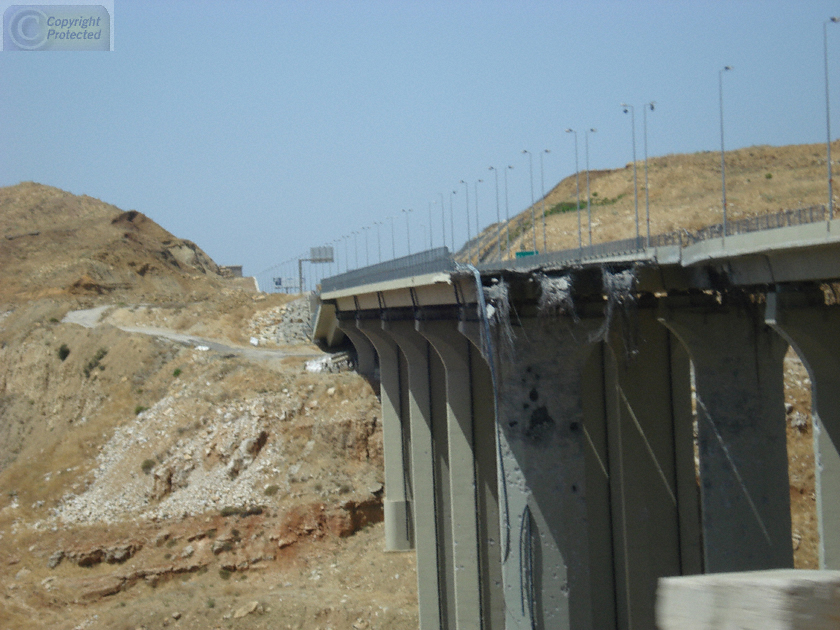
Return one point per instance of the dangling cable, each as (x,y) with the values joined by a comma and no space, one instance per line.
(488,351)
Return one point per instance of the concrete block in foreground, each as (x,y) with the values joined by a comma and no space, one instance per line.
(780,599)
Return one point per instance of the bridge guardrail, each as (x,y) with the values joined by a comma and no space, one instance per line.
(430,261)
(441,260)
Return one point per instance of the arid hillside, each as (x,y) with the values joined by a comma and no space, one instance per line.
(159,468)
(684,193)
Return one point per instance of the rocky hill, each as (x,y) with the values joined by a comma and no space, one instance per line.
(157,468)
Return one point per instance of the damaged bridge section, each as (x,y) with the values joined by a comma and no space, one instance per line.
(540,425)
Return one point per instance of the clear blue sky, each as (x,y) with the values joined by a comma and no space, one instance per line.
(259,129)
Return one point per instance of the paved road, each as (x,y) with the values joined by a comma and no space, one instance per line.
(92,317)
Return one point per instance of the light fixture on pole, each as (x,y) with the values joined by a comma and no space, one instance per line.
(632,111)
(647,196)
(393,240)
(407,230)
(430,225)
(588,197)
(498,212)
(722,161)
(356,247)
(533,202)
(507,214)
(442,221)
(477,228)
(346,239)
(542,190)
(452,219)
(378,239)
(469,233)
(828,120)
(367,250)
(577,188)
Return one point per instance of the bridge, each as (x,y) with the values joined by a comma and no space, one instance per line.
(563,430)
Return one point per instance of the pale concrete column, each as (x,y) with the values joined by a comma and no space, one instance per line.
(431,586)
(741,433)
(487,477)
(364,350)
(651,463)
(484,430)
(454,352)
(397,507)
(812,329)
(543,506)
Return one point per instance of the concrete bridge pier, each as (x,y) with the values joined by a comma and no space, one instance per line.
(649,456)
(472,478)
(395,431)
(430,476)
(802,317)
(554,501)
(744,485)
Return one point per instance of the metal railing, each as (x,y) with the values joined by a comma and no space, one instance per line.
(441,260)
(430,261)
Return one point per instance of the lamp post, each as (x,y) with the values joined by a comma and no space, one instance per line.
(828,120)
(498,212)
(393,240)
(632,111)
(647,197)
(452,219)
(367,251)
(588,197)
(542,189)
(533,213)
(378,239)
(346,239)
(430,225)
(577,187)
(507,214)
(722,161)
(477,228)
(356,247)
(407,230)
(469,234)
(442,221)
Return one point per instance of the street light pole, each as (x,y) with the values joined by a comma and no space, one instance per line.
(722,161)
(498,212)
(507,214)
(477,228)
(647,197)
(533,202)
(588,197)
(469,234)
(442,221)
(632,111)
(542,189)
(378,239)
(407,230)
(828,120)
(393,240)
(452,219)
(430,225)
(356,247)
(577,188)
(367,251)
